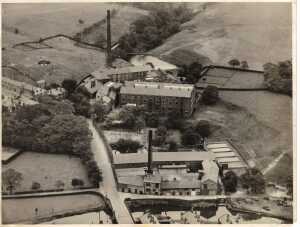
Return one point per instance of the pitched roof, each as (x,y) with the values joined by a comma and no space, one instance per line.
(158,89)
(105,73)
(187,182)
(134,158)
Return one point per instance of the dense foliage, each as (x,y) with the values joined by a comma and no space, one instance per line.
(126,146)
(278,77)
(253,180)
(151,30)
(230,182)
(210,95)
(191,72)
(50,127)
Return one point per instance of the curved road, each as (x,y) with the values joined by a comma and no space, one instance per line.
(108,186)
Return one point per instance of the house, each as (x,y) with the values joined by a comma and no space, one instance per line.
(16,93)
(163,98)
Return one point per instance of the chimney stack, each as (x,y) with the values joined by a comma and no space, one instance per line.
(108,41)
(149,169)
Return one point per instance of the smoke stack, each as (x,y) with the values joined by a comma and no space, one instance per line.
(149,170)
(108,41)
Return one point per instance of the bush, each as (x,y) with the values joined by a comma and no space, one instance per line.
(230,182)
(77,182)
(203,128)
(190,137)
(253,180)
(35,186)
(126,146)
(173,146)
(210,95)
(234,62)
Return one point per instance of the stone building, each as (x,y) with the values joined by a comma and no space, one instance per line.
(160,97)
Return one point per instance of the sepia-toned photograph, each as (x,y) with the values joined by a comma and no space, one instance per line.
(147,113)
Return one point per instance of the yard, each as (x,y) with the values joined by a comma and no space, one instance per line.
(29,210)
(47,170)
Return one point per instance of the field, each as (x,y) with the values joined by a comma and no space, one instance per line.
(258,33)
(36,21)
(23,210)
(46,169)
(67,58)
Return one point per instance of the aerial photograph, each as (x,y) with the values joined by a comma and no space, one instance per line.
(147,113)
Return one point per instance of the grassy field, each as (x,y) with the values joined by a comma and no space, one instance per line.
(24,209)
(40,20)
(68,60)
(255,32)
(256,140)
(46,169)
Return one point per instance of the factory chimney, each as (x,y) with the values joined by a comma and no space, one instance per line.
(108,41)
(149,169)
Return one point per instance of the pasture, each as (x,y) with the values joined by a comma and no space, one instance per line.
(47,170)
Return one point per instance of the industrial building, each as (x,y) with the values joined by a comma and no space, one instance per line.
(160,97)
(167,173)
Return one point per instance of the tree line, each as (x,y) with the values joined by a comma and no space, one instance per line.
(151,30)
(51,127)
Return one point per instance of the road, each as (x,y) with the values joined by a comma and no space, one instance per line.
(108,186)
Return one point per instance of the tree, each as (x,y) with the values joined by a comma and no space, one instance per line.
(234,62)
(99,111)
(230,182)
(140,124)
(126,146)
(69,85)
(77,182)
(253,180)
(35,186)
(210,95)
(80,21)
(244,65)
(160,136)
(173,146)
(289,185)
(11,179)
(203,128)
(190,137)
(174,121)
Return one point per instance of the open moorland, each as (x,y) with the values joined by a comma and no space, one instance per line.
(257,33)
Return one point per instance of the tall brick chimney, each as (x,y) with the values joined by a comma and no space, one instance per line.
(149,169)
(108,41)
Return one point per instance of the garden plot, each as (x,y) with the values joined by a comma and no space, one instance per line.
(48,170)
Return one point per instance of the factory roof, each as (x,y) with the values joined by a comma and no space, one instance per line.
(105,73)
(134,158)
(158,89)
(131,180)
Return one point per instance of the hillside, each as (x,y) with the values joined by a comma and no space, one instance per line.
(68,59)
(258,143)
(40,20)
(257,33)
